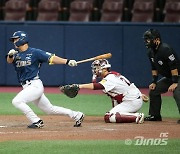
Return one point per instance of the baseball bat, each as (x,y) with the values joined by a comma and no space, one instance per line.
(103,56)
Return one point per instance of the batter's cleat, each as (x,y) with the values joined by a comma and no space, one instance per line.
(140,118)
(35,125)
(153,118)
(78,122)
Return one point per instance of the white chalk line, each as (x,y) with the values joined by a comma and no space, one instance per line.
(3,126)
(92,129)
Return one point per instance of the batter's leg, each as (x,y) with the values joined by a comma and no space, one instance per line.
(44,104)
(28,94)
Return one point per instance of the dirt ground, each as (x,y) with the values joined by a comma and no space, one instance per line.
(93,128)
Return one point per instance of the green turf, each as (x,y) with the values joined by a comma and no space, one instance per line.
(95,105)
(86,147)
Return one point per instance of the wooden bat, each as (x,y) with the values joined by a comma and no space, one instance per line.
(103,56)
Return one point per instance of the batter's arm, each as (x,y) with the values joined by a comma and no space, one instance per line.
(57,60)
(10,55)
(9,60)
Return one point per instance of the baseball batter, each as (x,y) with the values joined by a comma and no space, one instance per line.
(27,62)
(126,97)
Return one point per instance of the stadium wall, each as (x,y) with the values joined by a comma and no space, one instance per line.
(84,40)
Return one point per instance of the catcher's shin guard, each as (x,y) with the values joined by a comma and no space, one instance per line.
(118,118)
(106,117)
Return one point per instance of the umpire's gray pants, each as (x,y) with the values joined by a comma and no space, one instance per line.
(155,96)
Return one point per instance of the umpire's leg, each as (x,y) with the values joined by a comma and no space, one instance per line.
(177,95)
(155,98)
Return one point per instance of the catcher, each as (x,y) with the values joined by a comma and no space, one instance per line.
(126,97)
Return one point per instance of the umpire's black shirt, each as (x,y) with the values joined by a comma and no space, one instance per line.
(164,59)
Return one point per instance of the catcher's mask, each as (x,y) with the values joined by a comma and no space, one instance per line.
(21,36)
(149,36)
(98,65)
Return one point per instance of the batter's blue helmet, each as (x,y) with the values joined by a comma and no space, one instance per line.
(23,38)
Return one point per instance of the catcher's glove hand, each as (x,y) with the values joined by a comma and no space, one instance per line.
(70,90)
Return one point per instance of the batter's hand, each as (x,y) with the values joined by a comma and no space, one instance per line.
(12,52)
(152,86)
(72,63)
(172,87)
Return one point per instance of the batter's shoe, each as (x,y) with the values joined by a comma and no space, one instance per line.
(78,122)
(153,118)
(38,124)
(140,118)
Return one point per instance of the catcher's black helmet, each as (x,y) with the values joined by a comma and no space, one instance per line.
(149,36)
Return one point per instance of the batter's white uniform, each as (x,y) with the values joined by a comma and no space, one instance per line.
(27,65)
(33,91)
(126,97)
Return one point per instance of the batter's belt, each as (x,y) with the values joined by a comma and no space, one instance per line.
(28,81)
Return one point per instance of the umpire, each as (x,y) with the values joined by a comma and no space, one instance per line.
(164,63)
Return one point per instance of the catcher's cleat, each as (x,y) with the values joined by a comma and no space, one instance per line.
(140,118)
(78,122)
(38,124)
(153,118)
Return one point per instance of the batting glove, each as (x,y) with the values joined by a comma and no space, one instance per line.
(12,52)
(72,63)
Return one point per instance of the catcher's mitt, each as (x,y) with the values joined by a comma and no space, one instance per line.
(70,90)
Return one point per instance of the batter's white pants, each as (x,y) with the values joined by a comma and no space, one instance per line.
(33,91)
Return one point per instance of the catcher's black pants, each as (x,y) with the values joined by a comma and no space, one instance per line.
(155,96)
